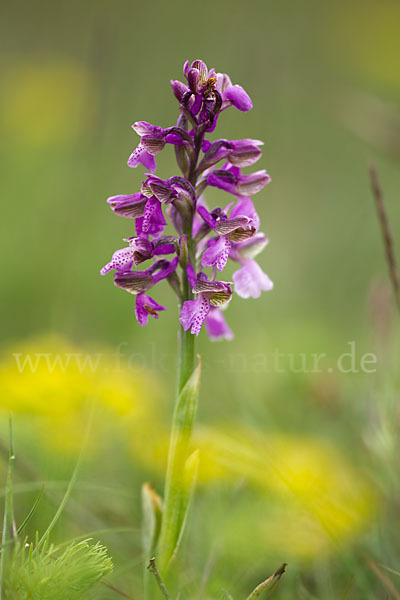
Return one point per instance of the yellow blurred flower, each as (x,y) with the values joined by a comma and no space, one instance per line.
(60,385)
(47,102)
(313,498)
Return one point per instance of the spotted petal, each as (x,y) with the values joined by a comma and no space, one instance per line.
(217,253)
(122,260)
(194,313)
(141,156)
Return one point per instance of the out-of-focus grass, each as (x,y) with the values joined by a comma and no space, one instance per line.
(270,495)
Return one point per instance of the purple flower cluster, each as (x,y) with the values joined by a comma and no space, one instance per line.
(203,238)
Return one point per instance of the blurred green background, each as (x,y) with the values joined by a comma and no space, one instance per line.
(324,79)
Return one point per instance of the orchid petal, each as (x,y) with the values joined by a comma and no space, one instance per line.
(237,96)
(145,307)
(217,253)
(216,326)
(194,313)
(251,280)
(122,260)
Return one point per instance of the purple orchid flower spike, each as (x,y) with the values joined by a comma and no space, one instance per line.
(205,238)
(199,243)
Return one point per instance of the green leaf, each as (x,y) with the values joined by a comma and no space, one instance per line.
(177,495)
(190,480)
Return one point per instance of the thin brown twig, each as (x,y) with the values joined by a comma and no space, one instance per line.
(386,232)
(384,578)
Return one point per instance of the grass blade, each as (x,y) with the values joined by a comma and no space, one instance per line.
(31,512)
(60,509)
(8,520)
(175,495)
(388,584)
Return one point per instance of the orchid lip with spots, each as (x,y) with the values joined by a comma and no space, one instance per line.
(205,239)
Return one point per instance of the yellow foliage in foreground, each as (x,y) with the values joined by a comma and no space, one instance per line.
(310,498)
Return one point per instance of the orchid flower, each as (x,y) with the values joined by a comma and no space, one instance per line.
(205,238)
(199,244)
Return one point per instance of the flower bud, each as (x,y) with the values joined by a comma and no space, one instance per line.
(179,89)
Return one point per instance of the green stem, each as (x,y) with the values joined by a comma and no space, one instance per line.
(184,412)
(186,342)
(186,357)
(179,450)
